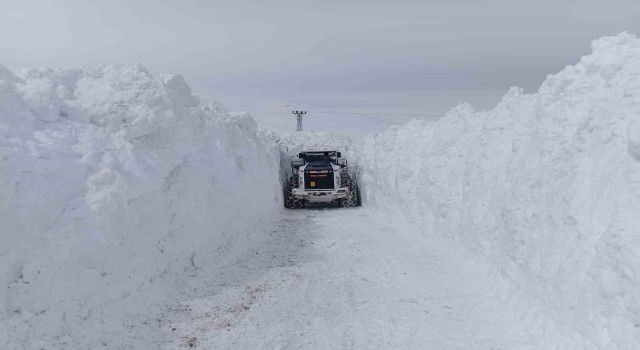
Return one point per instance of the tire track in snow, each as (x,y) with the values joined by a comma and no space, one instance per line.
(241,284)
(346,279)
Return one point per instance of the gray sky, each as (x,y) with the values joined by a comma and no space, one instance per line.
(413,57)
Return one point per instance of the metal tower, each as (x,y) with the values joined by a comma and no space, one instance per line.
(299,115)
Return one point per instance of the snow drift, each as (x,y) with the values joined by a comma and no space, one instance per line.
(115,186)
(545,185)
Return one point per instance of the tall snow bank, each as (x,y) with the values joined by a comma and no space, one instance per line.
(545,185)
(116,185)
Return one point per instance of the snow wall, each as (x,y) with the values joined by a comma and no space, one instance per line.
(115,187)
(545,186)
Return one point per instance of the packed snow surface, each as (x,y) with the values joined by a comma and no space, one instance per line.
(114,186)
(353,279)
(546,186)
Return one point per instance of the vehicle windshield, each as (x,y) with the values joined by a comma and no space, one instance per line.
(317,158)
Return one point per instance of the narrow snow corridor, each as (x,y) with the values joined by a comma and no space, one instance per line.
(346,279)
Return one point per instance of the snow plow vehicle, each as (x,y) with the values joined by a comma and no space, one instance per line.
(320,177)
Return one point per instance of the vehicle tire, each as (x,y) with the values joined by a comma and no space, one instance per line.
(352,195)
(289,200)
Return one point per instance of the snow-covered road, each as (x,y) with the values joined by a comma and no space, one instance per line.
(135,215)
(348,279)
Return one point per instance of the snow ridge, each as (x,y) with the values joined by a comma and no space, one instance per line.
(115,187)
(545,185)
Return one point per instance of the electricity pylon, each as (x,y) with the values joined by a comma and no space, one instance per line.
(299,115)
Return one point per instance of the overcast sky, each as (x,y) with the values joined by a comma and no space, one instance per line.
(411,57)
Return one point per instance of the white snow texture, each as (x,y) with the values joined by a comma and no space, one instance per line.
(546,186)
(114,186)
